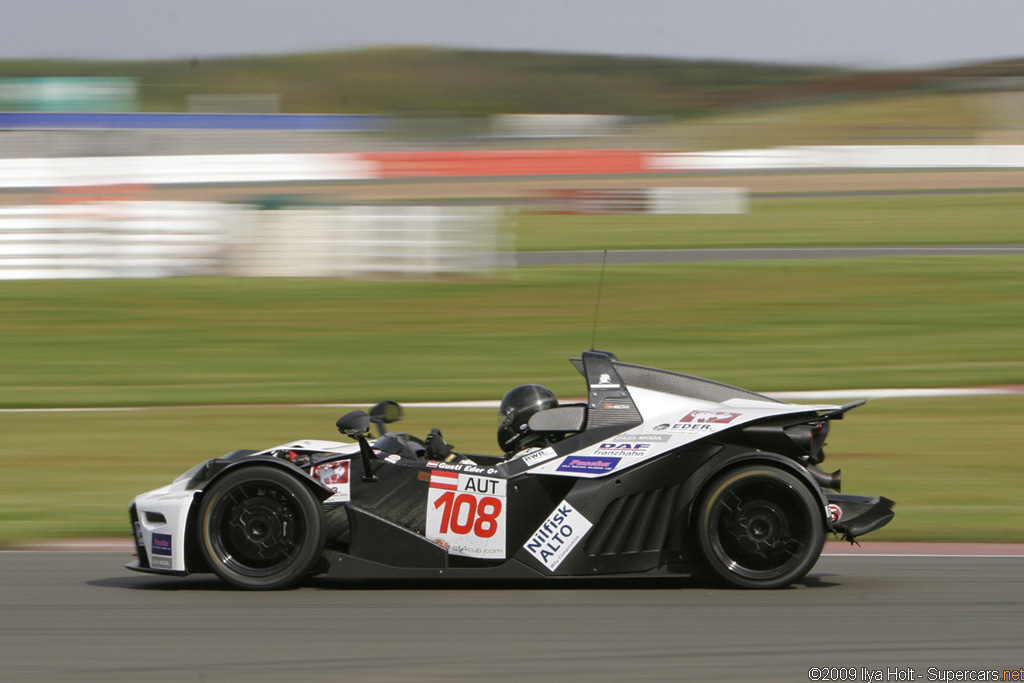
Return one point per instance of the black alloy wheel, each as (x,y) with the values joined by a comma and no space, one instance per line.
(760,527)
(260,528)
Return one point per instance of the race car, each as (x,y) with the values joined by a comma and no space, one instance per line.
(655,473)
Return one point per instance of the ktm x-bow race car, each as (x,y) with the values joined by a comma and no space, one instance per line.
(655,474)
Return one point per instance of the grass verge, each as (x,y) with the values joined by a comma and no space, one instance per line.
(826,221)
(766,326)
(949,463)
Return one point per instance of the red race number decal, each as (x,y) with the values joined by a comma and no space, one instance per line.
(466,514)
(481,519)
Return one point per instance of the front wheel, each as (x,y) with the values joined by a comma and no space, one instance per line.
(760,527)
(260,528)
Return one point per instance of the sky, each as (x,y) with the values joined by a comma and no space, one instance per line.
(875,34)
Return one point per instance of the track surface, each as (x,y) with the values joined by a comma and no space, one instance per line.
(81,617)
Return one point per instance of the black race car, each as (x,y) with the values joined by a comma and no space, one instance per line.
(655,473)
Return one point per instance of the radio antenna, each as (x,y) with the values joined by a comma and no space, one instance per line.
(597,304)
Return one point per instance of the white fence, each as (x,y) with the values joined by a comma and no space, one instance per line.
(264,168)
(357,241)
(852,157)
(161,239)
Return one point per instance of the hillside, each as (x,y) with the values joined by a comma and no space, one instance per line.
(457,82)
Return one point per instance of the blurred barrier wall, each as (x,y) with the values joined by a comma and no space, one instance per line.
(162,239)
(652,200)
(360,241)
(875,157)
(112,239)
(257,168)
(186,169)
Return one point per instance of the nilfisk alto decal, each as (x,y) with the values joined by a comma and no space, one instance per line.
(558,535)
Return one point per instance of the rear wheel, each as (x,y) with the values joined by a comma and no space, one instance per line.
(260,528)
(760,527)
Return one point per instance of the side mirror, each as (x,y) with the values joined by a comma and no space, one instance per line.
(384,413)
(354,424)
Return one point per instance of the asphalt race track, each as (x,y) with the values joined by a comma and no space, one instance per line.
(81,617)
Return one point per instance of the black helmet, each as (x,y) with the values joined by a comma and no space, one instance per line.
(518,405)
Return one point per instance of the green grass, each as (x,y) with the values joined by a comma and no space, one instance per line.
(798,222)
(949,463)
(767,326)
(890,322)
(885,118)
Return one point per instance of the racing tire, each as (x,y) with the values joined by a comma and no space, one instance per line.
(260,528)
(760,527)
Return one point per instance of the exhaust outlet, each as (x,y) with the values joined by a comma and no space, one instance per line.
(827,480)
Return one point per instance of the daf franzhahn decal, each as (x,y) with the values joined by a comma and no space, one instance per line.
(623,449)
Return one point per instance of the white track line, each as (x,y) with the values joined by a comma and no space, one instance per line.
(842,394)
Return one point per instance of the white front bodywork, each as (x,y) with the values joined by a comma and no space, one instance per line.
(164,539)
(314,446)
(669,421)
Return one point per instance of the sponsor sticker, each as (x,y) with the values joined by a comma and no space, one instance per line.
(834,512)
(710,416)
(616,404)
(604,381)
(466,467)
(540,456)
(466,513)
(161,544)
(623,449)
(588,465)
(335,476)
(702,421)
(553,540)
(648,438)
(160,551)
